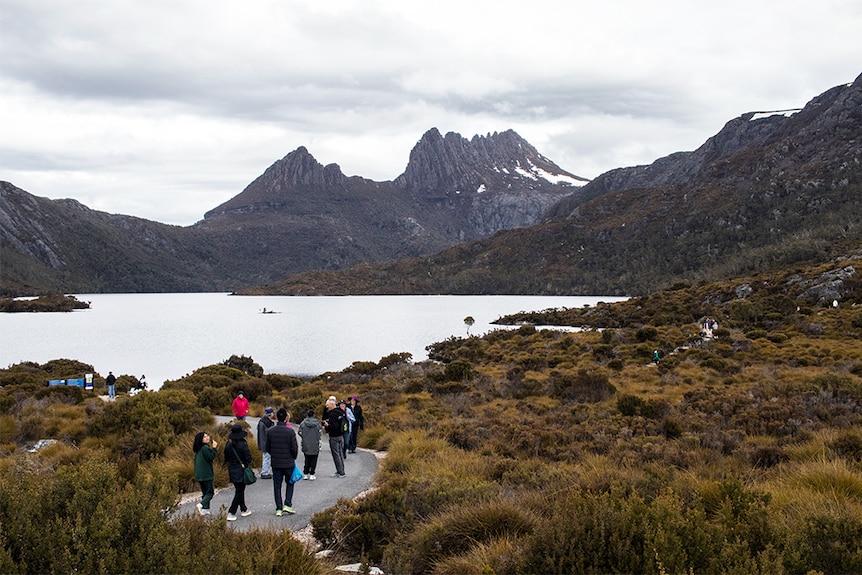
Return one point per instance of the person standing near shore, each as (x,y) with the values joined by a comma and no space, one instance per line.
(205,453)
(335,425)
(309,431)
(111,381)
(281,444)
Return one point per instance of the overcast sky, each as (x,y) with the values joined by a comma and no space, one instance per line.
(164,109)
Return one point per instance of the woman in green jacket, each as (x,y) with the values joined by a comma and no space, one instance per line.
(205,453)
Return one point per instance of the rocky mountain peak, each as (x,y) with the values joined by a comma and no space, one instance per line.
(300,168)
(452,162)
(297,171)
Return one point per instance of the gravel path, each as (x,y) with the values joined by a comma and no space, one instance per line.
(309,497)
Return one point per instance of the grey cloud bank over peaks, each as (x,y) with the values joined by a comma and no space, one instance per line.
(165,109)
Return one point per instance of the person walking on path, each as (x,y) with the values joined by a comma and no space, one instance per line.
(112,382)
(237,455)
(240,406)
(281,445)
(335,425)
(357,425)
(310,430)
(265,423)
(205,453)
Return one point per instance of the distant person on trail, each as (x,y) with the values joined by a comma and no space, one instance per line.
(267,421)
(310,430)
(240,406)
(281,444)
(237,457)
(205,453)
(142,383)
(112,382)
(335,425)
(359,424)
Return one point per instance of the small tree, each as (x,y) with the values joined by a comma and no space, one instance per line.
(469,321)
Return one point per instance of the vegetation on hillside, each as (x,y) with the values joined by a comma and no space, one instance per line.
(523,450)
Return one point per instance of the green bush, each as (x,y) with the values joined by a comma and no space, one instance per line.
(214,398)
(646,333)
(457,531)
(825,544)
(585,386)
(630,405)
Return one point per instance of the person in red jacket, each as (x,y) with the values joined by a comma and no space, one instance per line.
(240,406)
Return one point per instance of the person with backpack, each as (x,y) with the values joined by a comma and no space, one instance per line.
(350,423)
(335,425)
(281,443)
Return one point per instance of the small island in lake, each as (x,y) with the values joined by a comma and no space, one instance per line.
(54,302)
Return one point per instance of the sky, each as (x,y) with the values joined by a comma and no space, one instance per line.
(164,109)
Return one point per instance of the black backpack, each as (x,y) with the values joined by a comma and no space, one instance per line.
(343,424)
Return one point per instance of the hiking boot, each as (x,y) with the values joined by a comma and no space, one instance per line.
(231,517)
(288,509)
(246,513)
(278,513)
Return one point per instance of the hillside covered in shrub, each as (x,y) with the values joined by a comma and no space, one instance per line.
(524,450)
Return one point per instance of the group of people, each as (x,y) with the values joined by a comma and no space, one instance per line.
(277,440)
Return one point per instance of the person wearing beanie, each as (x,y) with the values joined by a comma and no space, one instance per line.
(281,445)
(310,430)
(240,406)
(267,421)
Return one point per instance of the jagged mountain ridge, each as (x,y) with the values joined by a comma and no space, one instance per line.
(763,192)
(297,215)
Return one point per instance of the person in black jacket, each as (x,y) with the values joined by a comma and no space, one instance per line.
(283,449)
(237,456)
(267,421)
(357,425)
(335,425)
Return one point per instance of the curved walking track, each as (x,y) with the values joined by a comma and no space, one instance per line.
(309,497)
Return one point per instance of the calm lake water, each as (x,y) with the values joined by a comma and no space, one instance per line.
(166,336)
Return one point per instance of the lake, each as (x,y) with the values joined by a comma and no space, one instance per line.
(166,336)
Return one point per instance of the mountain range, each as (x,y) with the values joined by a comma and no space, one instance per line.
(770,190)
(298,215)
(486,215)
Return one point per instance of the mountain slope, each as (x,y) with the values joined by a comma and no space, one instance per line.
(61,245)
(298,215)
(762,192)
